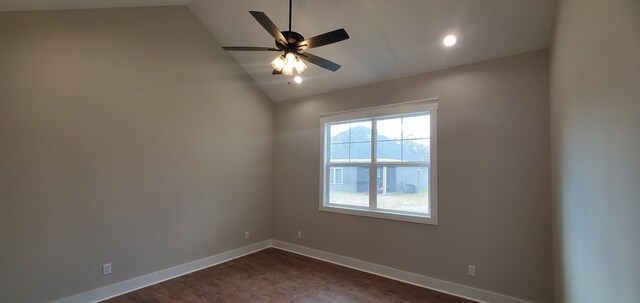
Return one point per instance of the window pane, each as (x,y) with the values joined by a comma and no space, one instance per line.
(360,131)
(339,133)
(389,151)
(416,127)
(361,152)
(403,188)
(416,150)
(354,189)
(389,129)
(350,142)
(339,152)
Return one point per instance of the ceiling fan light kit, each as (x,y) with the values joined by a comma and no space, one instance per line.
(287,64)
(293,45)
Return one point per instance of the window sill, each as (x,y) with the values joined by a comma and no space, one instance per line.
(380,214)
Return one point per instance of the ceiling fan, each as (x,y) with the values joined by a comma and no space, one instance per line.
(294,46)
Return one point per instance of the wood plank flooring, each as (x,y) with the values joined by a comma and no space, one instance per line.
(274,275)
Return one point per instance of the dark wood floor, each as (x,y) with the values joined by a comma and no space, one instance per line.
(274,275)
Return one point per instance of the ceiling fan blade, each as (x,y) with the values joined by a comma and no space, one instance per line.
(269,26)
(250,48)
(319,61)
(324,39)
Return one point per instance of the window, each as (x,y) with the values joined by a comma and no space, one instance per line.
(381,162)
(335,175)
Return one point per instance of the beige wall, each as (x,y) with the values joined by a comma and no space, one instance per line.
(595,89)
(494,191)
(126,136)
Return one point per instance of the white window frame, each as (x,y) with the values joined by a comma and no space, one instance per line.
(429,106)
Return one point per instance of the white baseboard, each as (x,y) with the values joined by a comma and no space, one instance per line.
(130,285)
(399,275)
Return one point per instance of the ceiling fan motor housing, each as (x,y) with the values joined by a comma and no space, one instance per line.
(293,41)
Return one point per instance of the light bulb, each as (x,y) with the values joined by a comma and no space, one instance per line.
(291,58)
(297,79)
(300,66)
(450,40)
(287,69)
(278,63)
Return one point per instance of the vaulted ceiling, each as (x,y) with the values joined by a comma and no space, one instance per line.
(389,39)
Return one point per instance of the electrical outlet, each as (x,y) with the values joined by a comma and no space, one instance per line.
(246,235)
(299,234)
(106,269)
(472,270)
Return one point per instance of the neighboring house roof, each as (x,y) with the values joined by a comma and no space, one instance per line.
(355,143)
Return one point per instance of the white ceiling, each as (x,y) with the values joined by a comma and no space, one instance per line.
(389,39)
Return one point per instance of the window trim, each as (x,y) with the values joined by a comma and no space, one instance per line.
(427,105)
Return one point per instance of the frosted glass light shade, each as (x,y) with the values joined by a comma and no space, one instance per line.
(287,69)
(278,63)
(291,58)
(300,66)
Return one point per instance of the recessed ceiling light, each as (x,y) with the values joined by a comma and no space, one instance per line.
(450,40)
(297,79)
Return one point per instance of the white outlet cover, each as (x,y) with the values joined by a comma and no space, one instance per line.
(106,269)
(472,270)
(246,235)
